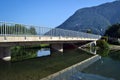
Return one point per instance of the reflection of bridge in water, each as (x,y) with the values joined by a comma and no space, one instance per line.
(20,35)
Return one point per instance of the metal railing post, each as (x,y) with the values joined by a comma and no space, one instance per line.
(4,31)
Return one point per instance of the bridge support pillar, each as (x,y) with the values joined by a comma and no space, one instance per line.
(93,44)
(5,53)
(57,47)
(92,47)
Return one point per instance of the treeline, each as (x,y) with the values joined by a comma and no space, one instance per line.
(113,34)
(17,29)
(113,31)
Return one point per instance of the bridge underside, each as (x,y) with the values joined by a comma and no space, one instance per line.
(56,42)
(5,52)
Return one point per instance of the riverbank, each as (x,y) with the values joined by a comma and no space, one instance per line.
(114,47)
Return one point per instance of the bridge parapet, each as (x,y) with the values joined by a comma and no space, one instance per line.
(18,30)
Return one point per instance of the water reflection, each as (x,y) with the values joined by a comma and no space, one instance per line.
(107,68)
(103,52)
(104,69)
(37,68)
(20,53)
(43,52)
(91,50)
(115,54)
(86,76)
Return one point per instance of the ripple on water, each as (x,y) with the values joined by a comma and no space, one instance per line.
(86,76)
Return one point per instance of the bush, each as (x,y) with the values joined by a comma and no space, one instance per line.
(102,44)
(105,38)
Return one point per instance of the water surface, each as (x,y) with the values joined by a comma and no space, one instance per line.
(34,64)
(107,68)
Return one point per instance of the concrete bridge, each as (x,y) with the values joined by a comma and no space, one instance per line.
(12,34)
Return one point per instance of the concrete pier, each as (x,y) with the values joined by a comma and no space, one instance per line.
(93,44)
(57,47)
(92,47)
(5,53)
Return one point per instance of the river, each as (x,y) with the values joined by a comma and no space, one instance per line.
(107,68)
(34,64)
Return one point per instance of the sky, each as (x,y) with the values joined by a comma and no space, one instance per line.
(44,13)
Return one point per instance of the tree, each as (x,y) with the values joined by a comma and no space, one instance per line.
(16,29)
(113,31)
(32,30)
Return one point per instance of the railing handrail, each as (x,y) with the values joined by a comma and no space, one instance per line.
(21,29)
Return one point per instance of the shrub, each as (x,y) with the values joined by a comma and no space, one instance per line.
(102,44)
(105,38)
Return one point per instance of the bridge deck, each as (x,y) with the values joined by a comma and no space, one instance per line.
(42,38)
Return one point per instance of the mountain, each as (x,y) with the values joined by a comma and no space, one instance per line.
(96,18)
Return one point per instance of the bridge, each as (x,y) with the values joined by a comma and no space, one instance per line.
(12,34)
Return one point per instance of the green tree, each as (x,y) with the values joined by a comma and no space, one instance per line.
(16,29)
(113,31)
(32,30)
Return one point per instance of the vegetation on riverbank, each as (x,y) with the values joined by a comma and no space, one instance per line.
(113,34)
(19,53)
(102,44)
(113,31)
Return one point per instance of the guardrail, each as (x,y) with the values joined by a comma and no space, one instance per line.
(13,29)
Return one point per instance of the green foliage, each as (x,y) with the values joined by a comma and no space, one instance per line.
(103,52)
(32,30)
(102,44)
(44,45)
(19,53)
(104,38)
(113,31)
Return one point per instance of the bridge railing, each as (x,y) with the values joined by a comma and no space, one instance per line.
(12,29)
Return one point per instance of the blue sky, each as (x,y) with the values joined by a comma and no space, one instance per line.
(45,13)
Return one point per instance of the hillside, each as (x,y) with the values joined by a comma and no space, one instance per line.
(96,18)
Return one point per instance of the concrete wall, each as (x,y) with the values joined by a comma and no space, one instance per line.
(57,47)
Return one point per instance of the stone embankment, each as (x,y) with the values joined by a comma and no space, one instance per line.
(114,47)
(72,69)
